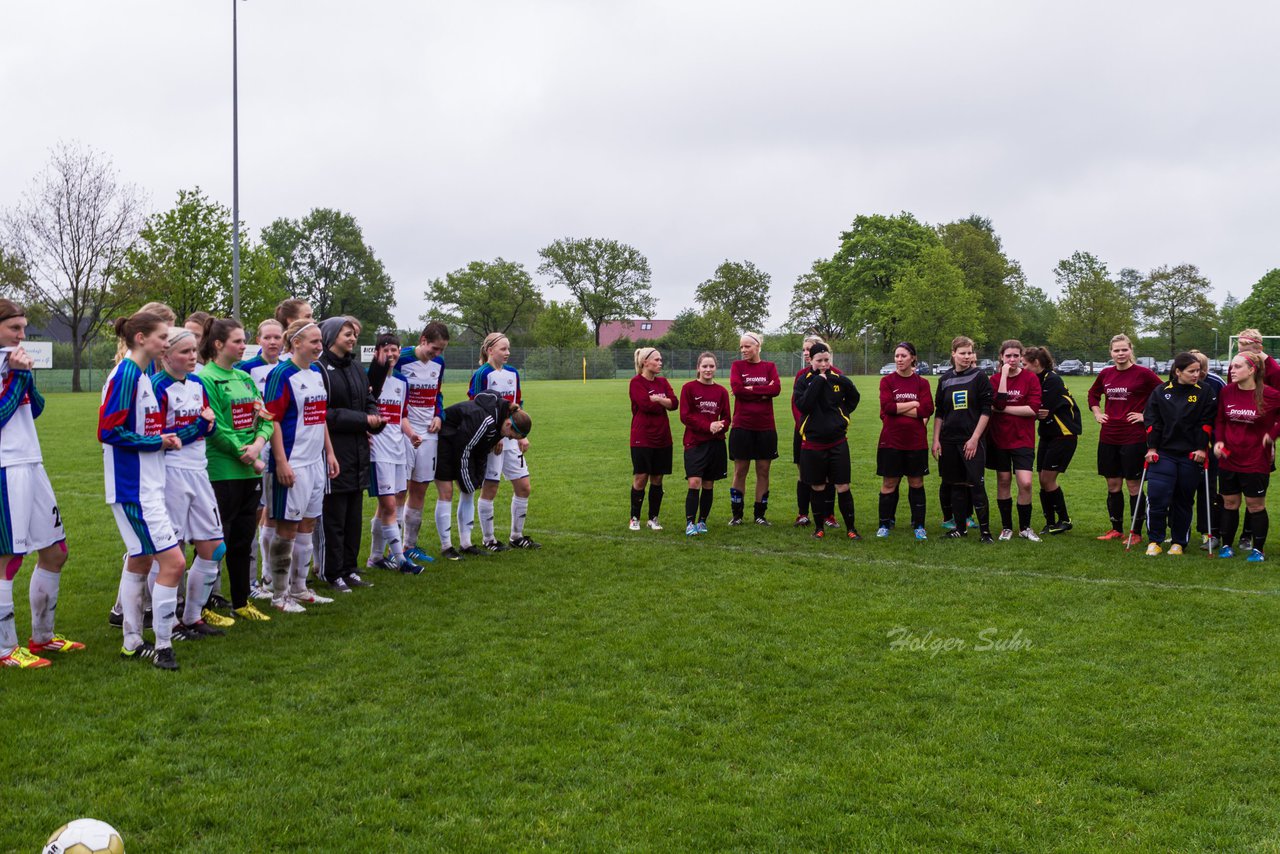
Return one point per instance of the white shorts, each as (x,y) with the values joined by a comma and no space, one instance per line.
(509,464)
(423,464)
(31,519)
(192,508)
(145,526)
(388,478)
(303,500)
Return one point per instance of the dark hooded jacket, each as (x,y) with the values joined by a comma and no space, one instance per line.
(351,399)
(470,429)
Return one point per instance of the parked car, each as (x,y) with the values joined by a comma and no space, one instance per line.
(987,366)
(1162,368)
(924,369)
(888,369)
(1072,368)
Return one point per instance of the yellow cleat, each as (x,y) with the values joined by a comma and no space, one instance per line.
(20,657)
(215,619)
(57,644)
(249,612)
(1175,549)
(1154,550)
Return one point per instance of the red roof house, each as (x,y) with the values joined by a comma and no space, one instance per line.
(635,329)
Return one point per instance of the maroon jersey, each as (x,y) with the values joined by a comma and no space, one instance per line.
(1240,428)
(754,385)
(1126,391)
(904,432)
(650,427)
(1271,372)
(701,404)
(1011,431)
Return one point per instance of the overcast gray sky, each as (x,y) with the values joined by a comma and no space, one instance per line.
(1144,132)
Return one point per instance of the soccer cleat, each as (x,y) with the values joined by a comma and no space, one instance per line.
(802,521)
(217,600)
(882,532)
(1133,540)
(1028,534)
(948,525)
(1113,534)
(702,527)
(450,554)
(165,659)
(986,539)
(354,580)
(23,658)
(408,567)
(186,633)
(1006,534)
(470,551)
(1226,551)
(260,592)
(1245,544)
(736,520)
(1175,550)
(251,613)
(1154,550)
(921,533)
(819,534)
(691,529)
(203,628)
(497,546)
(215,619)
(831,522)
(56,644)
(634,524)
(142,652)
(523,542)
(955,534)
(1212,544)
(288,606)
(1255,556)
(339,585)
(417,555)
(760,520)
(115,618)
(307,596)
(1060,527)
(854,535)
(386,562)
(654,525)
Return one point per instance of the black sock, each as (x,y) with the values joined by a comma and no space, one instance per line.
(691,505)
(888,508)
(821,501)
(637,502)
(1261,522)
(1137,511)
(978,497)
(1230,522)
(1060,499)
(846,509)
(1246,531)
(802,498)
(704,503)
(758,509)
(960,498)
(1115,510)
(1048,507)
(1006,512)
(736,502)
(944,499)
(1024,516)
(655,500)
(916,501)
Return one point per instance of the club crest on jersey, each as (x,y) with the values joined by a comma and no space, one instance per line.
(960,399)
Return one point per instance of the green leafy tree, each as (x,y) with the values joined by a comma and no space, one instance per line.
(562,325)
(1091,310)
(873,253)
(609,279)
(1228,321)
(933,303)
(1173,302)
(323,259)
(1130,282)
(1261,309)
(741,290)
(702,330)
(1036,314)
(484,297)
(995,281)
(814,306)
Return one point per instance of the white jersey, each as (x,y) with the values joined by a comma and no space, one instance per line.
(182,401)
(298,402)
(20,403)
(258,368)
(388,446)
(424,379)
(129,427)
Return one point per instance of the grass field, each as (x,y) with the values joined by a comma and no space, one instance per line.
(636,690)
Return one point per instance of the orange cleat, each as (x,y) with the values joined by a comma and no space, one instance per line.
(20,657)
(57,644)
(1113,534)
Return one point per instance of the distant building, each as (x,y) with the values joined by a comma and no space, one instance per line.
(54,329)
(635,329)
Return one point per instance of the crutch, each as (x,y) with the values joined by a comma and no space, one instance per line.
(1133,520)
(1208,503)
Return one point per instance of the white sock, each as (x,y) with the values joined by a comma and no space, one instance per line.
(202,578)
(281,559)
(519,510)
(391,535)
(376,545)
(132,587)
(266,537)
(44,603)
(413,523)
(485,512)
(8,626)
(164,613)
(466,518)
(152,575)
(443,524)
(302,550)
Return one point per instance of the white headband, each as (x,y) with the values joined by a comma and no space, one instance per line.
(302,329)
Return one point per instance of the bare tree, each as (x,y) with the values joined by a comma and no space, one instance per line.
(69,234)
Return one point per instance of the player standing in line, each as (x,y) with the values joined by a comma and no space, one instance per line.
(652,397)
(471,430)
(826,399)
(802,488)
(754,435)
(130,424)
(1247,426)
(1179,418)
(704,409)
(28,508)
(1117,399)
(906,404)
(423,370)
(1250,341)
(1060,425)
(1012,438)
(1209,506)
(494,375)
(963,409)
(302,462)
(388,466)
(235,452)
(270,342)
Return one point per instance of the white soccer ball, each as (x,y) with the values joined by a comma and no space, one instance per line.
(85,836)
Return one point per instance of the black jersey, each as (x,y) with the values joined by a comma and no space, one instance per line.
(963,397)
(1064,414)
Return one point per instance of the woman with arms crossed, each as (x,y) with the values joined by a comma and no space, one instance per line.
(754,436)
(704,407)
(905,407)
(651,399)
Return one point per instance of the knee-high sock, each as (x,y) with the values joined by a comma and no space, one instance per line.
(1115,510)
(484,510)
(960,498)
(303,548)
(44,602)
(376,544)
(1230,522)
(8,626)
(1137,511)
(1024,516)
(691,506)
(132,585)
(889,508)
(391,536)
(412,524)
(761,507)
(152,575)
(1259,522)
(1006,512)
(164,613)
(916,501)
(655,507)
(945,494)
(736,502)
(1049,507)
(637,502)
(281,559)
(253,562)
(802,498)
(978,497)
(266,537)
(1060,498)
(520,511)
(846,509)
(704,502)
(444,523)
(202,577)
(466,518)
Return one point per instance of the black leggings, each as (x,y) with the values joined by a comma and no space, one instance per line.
(238,507)
(342,532)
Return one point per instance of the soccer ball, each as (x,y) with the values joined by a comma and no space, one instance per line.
(85,836)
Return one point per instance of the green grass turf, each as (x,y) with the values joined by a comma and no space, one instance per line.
(642,691)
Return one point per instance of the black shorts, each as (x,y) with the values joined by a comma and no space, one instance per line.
(829,466)
(708,461)
(954,468)
(1010,459)
(753,444)
(447,460)
(795,447)
(892,462)
(1248,483)
(651,460)
(1055,454)
(1121,460)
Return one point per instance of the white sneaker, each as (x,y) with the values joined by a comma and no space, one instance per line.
(653,525)
(288,605)
(635,524)
(310,597)
(260,592)
(1005,535)
(1028,534)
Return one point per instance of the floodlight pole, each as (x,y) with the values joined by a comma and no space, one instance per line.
(235,163)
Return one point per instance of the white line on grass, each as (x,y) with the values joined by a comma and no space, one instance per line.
(883,562)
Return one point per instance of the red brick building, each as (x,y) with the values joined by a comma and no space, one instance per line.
(635,329)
